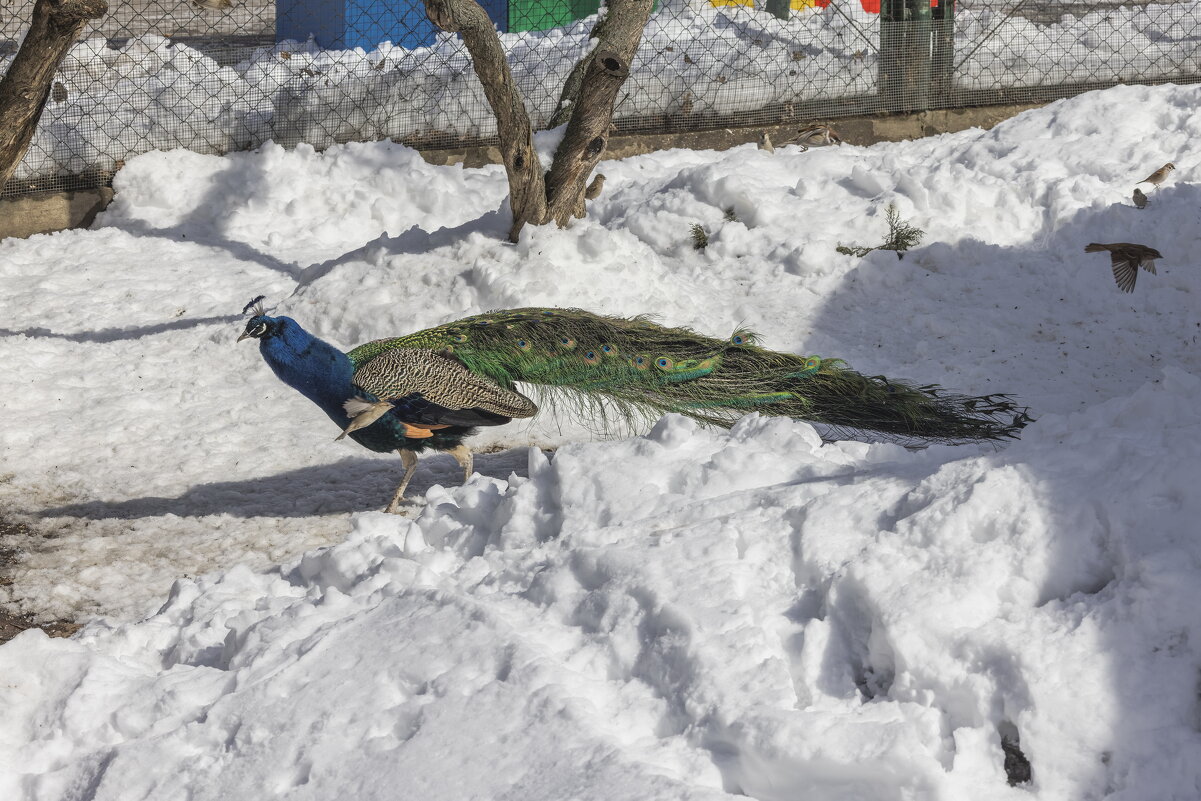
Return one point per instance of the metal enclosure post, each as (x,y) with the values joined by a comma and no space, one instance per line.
(943,52)
(892,40)
(917,41)
(905,54)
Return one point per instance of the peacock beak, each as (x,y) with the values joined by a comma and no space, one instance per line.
(244,335)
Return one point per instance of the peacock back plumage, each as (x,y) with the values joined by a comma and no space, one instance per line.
(618,370)
(401,372)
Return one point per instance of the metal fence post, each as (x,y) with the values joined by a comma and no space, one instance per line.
(917,77)
(892,40)
(905,54)
(943,51)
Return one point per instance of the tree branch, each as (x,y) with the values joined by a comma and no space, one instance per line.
(527,187)
(588,99)
(25,87)
(588,132)
(571,87)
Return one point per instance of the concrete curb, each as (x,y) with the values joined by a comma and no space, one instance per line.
(865,130)
(26,215)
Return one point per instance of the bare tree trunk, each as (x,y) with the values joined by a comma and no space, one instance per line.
(588,98)
(588,132)
(527,192)
(23,91)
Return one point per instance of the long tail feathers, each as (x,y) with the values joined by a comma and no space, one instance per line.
(617,370)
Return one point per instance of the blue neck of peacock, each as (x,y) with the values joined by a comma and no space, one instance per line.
(313,367)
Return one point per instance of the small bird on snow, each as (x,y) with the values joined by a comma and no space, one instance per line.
(816,135)
(1140,200)
(1159,176)
(1127,258)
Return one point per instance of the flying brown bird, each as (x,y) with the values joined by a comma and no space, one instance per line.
(1159,176)
(1140,200)
(1127,258)
(213,5)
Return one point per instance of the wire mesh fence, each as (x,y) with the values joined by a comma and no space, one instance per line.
(221,75)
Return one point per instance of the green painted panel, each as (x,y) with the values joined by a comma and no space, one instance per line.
(539,15)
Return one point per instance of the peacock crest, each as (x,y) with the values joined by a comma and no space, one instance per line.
(255,307)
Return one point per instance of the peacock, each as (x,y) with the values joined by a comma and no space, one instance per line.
(433,388)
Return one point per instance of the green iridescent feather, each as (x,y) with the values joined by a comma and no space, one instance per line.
(624,370)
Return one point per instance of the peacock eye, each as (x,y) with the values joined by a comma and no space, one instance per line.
(258,330)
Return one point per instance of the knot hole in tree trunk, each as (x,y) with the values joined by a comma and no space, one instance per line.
(595,147)
(612,64)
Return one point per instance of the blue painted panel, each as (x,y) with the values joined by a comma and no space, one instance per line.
(297,19)
(498,12)
(343,24)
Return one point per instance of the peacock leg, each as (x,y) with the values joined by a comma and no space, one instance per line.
(463,457)
(409,459)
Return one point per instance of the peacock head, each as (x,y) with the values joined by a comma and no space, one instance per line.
(260,326)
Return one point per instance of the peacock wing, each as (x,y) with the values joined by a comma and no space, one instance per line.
(437,385)
(593,366)
(418,411)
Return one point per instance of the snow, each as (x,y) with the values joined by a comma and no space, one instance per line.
(676,613)
(696,62)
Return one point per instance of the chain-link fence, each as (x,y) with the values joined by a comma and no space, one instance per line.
(216,77)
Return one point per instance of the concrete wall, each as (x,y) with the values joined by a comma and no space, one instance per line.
(866,130)
(26,215)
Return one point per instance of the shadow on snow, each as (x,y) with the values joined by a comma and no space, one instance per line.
(351,485)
